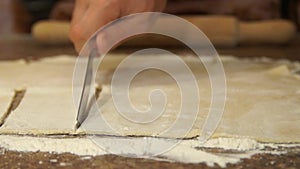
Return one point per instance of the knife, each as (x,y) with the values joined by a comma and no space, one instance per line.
(85,95)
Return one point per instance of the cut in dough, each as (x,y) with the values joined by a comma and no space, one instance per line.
(43,111)
(47,106)
(6,99)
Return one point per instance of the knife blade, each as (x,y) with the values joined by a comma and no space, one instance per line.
(86,89)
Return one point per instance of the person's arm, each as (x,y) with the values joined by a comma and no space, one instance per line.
(90,15)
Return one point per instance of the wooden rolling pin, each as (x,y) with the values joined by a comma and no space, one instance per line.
(223,31)
(51,32)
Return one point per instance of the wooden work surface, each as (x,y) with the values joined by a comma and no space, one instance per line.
(22,46)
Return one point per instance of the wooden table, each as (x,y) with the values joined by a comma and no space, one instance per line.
(22,46)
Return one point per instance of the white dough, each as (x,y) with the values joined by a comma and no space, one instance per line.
(47,106)
(43,111)
(49,72)
(12,74)
(262,102)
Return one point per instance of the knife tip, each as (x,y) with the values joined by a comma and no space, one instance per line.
(77,125)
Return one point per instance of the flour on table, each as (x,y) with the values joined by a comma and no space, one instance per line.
(186,152)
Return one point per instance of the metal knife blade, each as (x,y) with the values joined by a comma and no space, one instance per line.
(85,95)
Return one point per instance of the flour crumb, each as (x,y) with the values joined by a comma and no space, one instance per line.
(64,164)
(86,158)
(240,144)
(53,160)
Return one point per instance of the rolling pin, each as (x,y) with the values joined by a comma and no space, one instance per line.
(51,32)
(223,31)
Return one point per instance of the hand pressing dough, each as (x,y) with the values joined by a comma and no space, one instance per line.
(262,103)
(43,111)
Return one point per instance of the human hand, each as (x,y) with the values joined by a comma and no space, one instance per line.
(90,15)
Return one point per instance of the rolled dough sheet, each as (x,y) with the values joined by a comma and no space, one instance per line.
(262,103)
(47,106)
(12,74)
(43,111)
(48,72)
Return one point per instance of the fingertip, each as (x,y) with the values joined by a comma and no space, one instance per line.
(77,37)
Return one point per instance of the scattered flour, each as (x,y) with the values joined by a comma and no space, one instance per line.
(187,151)
(192,155)
(240,144)
(78,146)
(64,164)
(53,160)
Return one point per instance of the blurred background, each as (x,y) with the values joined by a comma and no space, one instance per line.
(266,27)
(19,15)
